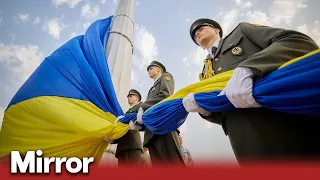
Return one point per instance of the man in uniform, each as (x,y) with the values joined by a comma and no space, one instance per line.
(162,148)
(129,148)
(253,51)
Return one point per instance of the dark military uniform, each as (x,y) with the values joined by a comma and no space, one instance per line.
(129,148)
(261,133)
(162,148)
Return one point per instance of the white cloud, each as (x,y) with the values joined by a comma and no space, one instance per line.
(138,3)
(219,15)
(54,27)
(194,63)
(280,12)
(238,2)
(285,10)
(73,34)
(316,32)
(103,1)
(247,4)
(1,115)
(1,20)
(70,3)
(303,28)
(229,20)
(257,17)
(115,1)
(24,17)
(302,6)
(28,58)
(196,57)
(86,25)
(184,59)
(145,47)
(187,18)
(134,81)
(36,20)
(312,30)
(89,12)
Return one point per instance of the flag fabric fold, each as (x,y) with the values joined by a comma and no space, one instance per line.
(68,106)
(293,88)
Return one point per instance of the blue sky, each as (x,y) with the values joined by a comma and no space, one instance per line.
(31,30)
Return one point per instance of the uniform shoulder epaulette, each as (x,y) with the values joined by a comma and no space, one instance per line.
(257,25)
(167,76)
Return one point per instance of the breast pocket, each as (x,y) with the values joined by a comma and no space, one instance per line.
(237,51)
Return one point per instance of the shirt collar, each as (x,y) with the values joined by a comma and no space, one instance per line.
(215,44)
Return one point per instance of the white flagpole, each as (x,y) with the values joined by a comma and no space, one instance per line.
(119,50)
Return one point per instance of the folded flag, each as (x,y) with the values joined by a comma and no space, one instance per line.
(68,106)
(292,88)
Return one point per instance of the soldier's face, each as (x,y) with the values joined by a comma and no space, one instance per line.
(153,71)
(205,35)
(132,99)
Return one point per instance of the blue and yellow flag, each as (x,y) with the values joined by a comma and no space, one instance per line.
(68,106)
(293,88)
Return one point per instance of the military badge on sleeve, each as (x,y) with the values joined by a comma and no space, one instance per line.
(168,78)
(258,25)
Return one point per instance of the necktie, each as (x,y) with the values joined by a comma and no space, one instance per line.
(214,50)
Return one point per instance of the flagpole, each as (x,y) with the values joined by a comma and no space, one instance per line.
(119,50)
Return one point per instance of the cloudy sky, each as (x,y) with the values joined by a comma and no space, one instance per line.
(31,30)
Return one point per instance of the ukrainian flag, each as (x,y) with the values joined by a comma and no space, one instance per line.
(292,88)
(68,106)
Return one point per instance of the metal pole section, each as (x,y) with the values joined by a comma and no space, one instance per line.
(119,50)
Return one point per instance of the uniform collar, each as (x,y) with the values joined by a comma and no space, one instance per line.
(215,44)
(134,105)
(157,79)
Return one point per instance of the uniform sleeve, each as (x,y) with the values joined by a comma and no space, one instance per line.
(278,47)
(213,117)
(166,89)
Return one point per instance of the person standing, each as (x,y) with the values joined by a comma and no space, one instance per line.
(129,148)
(253,51)
(162,148)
